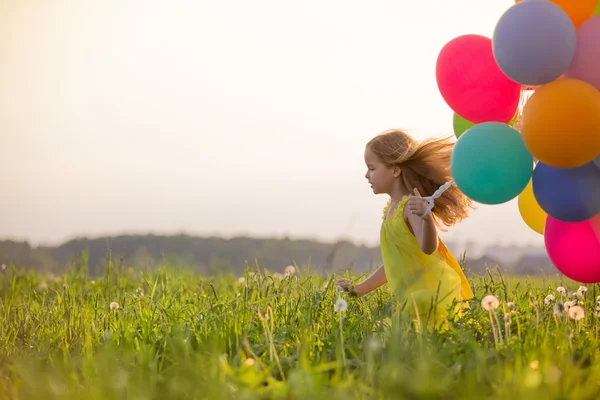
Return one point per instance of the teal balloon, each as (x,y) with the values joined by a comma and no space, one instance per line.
(490,163)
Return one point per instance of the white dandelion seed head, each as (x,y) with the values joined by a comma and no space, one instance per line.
(561,290)
(548,300)
(511,306)
(598,312)
(582,289)
(340,305)
(576,295)
(374,344)
(276,275)
(242,279)
(93,282)
(490,302)
(139,292)
(598,299)
(289,270)
(3,267)
(114,306)
(576,313)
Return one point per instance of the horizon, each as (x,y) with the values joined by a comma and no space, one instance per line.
(220,119)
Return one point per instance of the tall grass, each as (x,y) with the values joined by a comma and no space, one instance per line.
(171,334)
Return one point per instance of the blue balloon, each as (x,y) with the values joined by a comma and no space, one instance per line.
(568,194)
(490,163)
(534,42)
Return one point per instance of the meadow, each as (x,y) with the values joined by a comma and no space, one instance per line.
(169,333)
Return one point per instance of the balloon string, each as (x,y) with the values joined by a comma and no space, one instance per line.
(437,194)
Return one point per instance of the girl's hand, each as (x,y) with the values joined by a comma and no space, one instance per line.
(347,286)
(417,205)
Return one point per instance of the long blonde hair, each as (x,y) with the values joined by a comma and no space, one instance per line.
(426,166)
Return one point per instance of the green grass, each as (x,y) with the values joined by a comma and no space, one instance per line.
(193,337)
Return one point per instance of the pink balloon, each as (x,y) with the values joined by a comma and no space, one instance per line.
(586,62)
(471,82)
(574,248)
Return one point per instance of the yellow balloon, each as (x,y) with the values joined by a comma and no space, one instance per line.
(530,210)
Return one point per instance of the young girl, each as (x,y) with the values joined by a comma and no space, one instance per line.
(421,271)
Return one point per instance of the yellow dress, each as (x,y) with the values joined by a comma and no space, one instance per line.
(423,282)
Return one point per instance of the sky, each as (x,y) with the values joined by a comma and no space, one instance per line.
(220,117)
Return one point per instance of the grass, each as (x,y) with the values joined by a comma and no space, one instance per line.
(178,335)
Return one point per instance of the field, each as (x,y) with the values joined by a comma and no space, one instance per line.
(171,334)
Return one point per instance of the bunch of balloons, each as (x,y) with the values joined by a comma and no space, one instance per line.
(550,48)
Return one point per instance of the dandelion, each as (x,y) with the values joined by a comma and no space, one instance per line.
(598,299)
(374,344)
(577,295)
(490,302)
(598,312)
(576,313)
(42,286)
(582,289)
(114,306)
(341,305)
(3,267)
(511,306)
(139,292)
(242,280)
(277,275)
(93,282)
(289,270)
(561,290)
(548,300)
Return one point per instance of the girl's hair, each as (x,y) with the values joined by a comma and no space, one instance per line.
(426,166)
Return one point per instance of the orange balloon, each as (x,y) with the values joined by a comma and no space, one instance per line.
(561,123)
(577,10)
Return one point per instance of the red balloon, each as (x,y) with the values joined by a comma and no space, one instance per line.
(471,82)
(574,248)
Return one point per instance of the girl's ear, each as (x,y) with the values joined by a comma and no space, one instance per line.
(396,171)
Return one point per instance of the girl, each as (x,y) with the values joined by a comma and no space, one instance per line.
(421,271)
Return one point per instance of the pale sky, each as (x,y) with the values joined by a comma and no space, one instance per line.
(219,117)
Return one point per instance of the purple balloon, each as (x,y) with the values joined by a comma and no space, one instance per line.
(534,42)
(586,62)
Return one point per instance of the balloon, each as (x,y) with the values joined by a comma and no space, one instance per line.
(460,124)
(490,163)
(471,82)
(586,63)
(561,123)
(574,248)
(577,10)
(568,194)
(534,42)
(531,212)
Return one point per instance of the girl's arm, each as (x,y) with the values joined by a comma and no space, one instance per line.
(425,231)
(422,226)
(374,281)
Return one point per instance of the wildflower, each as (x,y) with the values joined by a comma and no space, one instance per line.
(3,267)
(576,313)
(561,290)
(490,302)
(65,286)
(534,364)
(276,275)
(577,295)
(242,279)
(559,308)
(114,306)
(341,305)
(93,282)
(42,286)
(549,299)
(249,362)
(139,292)
(289,270)
(582,289)
(598,312)
(511,306)
(598,299)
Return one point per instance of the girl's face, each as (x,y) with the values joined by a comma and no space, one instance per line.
(380,176)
